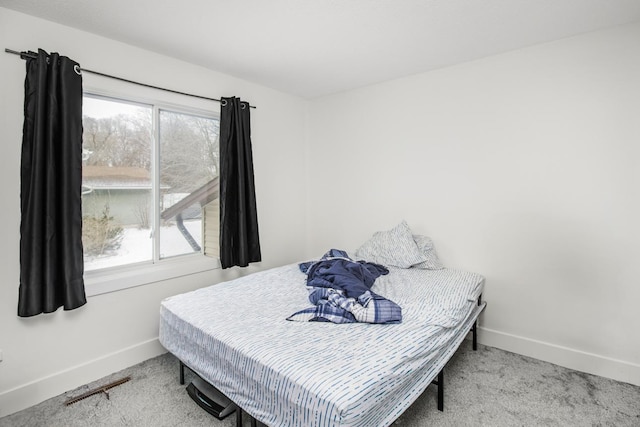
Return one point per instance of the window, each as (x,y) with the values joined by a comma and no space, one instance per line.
(150,183)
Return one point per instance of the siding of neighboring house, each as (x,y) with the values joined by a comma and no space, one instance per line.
(128,207)
(124,191)
(212,229)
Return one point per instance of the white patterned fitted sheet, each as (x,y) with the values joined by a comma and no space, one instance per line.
(234,334)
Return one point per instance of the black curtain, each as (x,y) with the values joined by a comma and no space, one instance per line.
(239,240)
(51,260)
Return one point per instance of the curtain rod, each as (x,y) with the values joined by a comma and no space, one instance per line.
(30,55)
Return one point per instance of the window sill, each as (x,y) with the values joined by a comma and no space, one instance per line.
(116,279)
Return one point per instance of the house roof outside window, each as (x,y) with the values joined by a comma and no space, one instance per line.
(116,178)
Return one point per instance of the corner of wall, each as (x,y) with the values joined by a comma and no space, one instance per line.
(307,178)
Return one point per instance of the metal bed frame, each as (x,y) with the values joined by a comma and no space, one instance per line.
(439,382)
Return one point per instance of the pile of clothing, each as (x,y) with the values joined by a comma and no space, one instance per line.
(340,291)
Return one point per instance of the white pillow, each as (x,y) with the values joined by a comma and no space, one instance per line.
(429,250)
(395,247)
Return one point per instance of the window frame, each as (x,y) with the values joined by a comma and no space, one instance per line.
(116,278)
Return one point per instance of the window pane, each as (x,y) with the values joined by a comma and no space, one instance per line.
(116,183)
(188,179)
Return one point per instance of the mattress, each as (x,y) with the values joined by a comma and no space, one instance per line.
(235,335)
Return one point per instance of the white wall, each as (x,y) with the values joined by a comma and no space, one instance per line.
(524,167)
(50,354)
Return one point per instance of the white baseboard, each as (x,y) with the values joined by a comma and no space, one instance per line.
(618,370)
(37,391)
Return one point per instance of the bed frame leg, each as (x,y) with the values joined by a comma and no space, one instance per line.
(441,390)
(475,335)
(239,416)
(181,373)
(474,329)
(440,383)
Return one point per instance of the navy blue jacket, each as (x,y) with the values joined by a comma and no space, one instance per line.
(336,270)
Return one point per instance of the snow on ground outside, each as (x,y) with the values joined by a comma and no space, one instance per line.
(136,246)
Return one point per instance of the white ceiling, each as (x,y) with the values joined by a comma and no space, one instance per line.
(312,48)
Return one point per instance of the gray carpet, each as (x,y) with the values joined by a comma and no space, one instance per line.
(489,387)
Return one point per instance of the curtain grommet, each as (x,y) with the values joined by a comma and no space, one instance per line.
(77,69)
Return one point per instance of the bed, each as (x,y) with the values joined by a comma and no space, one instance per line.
(235,336)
